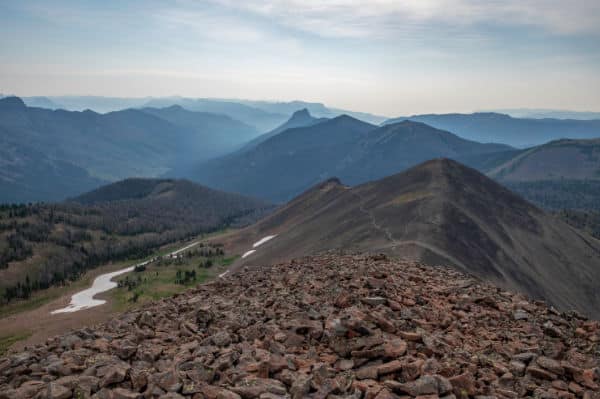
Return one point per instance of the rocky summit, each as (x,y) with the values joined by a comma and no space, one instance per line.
(330,326)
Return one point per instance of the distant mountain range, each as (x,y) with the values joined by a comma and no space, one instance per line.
(301,118)
(543,113)
(98,104)
(287,162)
(211,135)
(256,117)
(488,127)
(263,115)
(50,155)
(439,212)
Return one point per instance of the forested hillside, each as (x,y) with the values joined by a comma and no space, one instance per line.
(588,221)
(47,244)
(559,194)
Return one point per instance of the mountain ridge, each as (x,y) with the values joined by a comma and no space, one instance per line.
(105,147)
(502,128)
(290,161)
(299,118)
(441,212)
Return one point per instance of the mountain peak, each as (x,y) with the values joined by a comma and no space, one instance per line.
(301,116)
(12,102)
(175,107)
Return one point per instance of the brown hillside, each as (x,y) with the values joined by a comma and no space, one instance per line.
(440,212)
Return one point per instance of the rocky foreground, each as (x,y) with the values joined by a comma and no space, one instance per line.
(323,327)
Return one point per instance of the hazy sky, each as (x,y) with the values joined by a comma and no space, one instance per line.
(389,57)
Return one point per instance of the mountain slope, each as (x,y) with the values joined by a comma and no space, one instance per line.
(41,102)
(289,162)
(212,135)
(500,128)
(317,109)
(107,147)
(28,175)
(98,104)
(395,147)
(441,212)
(557,160)
(563,174)
(300,118)
(261,120)
(549,113)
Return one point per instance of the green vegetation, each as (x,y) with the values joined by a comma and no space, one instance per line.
(42,297)
(560,194)
(169,276)
(50,245)
(7,341)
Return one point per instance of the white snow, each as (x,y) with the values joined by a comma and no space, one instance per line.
(248,253)
(263,240)
(184,248)
(85,299)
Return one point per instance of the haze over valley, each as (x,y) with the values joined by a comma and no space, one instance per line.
(299,199)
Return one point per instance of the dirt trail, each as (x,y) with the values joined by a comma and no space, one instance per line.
(394,243)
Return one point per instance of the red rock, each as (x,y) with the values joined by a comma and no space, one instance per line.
(300,330)
(587,379)
(575,388)
(394,348)
(390,367)
(367,372)
(122,393)
(56,391)
(385,394)
(550,365)
(411,371)
(541,373)
(463,384)
(212,392)
(410,336)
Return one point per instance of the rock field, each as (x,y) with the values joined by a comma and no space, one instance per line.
(330,326)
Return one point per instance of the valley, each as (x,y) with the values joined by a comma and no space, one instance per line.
(116,287)
(288,199)
(46,245)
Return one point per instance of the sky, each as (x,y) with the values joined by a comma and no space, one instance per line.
(386,57)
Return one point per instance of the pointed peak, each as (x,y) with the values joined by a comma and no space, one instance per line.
(174,107)
(301,114)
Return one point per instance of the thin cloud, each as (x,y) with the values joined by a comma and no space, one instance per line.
(381,18)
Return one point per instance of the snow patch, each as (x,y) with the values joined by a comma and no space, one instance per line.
(85,299)
(184,248)
(248,253)
(263,240)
